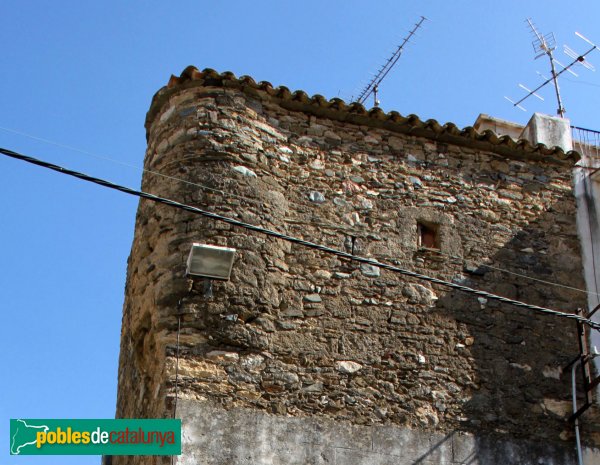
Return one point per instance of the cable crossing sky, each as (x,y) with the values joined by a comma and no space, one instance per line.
(295,240)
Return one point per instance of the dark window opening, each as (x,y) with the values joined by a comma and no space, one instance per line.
(428,235)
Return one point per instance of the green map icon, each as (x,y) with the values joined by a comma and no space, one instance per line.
(23,435)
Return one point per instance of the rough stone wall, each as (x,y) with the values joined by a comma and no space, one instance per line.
(300,333)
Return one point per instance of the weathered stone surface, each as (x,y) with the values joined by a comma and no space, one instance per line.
(419,294)
(316,197)
(312,298)
(222,356)
(322,274)
(433,359)
(415,181)
(342,275)
(245,171)
(370,270)
(348,367)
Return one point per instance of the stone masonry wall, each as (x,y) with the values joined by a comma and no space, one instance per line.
(300,333)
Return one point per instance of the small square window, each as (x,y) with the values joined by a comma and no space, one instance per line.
(428,235)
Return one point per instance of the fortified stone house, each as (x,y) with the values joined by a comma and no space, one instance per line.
(305,358)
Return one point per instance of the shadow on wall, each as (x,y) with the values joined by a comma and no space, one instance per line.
(457,363)
(518,355)
(488,368)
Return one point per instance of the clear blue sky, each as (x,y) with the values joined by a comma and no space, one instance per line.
(83,74)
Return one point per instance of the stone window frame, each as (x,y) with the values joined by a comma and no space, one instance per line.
(448,237)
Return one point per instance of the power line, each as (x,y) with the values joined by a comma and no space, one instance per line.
(419,163)
(295,240)
(357,233)
(514,273)
(587,83)
(225,193)
(122,163)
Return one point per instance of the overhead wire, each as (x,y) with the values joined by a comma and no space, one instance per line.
(122,163)
(251,200)
(423,163)
(454,257)
(295,240)
(514,273)
(593,84)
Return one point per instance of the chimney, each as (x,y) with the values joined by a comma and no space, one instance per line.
(549,130)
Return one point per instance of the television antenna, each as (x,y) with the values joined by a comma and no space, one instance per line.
(546,45)
(373,86)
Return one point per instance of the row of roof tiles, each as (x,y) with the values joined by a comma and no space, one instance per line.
(355,112)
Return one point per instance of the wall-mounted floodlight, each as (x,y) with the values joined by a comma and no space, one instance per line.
(210,261)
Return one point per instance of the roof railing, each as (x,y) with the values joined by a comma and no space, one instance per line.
(586,141)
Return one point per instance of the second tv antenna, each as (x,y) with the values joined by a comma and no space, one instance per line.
(546,45)
(373,86)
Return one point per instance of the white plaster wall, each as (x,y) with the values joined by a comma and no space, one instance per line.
(587,192)
(214,436)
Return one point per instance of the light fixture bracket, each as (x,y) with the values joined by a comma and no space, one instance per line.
(210,261)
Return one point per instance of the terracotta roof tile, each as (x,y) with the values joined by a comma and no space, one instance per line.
(356,113)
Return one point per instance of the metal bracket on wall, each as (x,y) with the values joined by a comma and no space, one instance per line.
(589,383)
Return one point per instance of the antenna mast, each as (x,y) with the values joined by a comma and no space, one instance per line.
(373,86)
(545,45)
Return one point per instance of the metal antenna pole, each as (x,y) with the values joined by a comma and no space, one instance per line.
(545,45)
(373,86)
(561,109)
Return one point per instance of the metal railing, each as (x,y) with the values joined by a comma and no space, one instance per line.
(586,141)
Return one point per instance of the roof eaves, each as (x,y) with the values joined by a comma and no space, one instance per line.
(356,113)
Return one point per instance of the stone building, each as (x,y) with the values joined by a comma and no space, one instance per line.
(306,358)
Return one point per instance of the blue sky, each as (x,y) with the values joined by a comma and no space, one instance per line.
(82,74)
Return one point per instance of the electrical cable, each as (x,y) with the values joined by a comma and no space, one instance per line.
(122,163)
(426,163)
(514,273)
(295,240)
(464,260)
(250,200)
(582,82)
(177,370)
(177,359)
